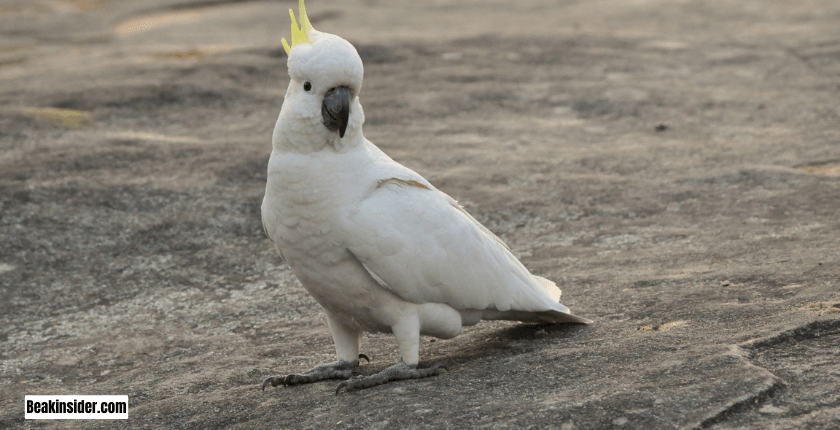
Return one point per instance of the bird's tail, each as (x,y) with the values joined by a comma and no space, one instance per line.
(561,317)
(560,313)
(550,316)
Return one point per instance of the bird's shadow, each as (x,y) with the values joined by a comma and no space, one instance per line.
(507,341)
(533,331)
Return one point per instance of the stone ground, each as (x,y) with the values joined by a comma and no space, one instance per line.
(673,165)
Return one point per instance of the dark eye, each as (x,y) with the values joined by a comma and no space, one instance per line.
(307,86)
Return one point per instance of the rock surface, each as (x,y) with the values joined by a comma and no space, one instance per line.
(673,165)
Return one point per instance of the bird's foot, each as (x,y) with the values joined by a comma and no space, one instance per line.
(341,369)
(397,372)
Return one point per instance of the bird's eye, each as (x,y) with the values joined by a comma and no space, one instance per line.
(307,86)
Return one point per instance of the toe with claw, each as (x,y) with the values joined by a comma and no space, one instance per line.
(338,370)
(397,372)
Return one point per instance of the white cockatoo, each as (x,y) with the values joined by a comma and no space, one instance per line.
(379,247)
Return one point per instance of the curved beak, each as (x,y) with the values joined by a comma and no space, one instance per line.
(336,109)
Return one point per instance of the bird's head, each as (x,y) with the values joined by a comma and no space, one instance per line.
(326,77)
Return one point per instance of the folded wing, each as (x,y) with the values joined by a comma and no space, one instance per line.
(419,243)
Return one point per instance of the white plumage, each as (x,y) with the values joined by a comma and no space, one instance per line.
(379,247)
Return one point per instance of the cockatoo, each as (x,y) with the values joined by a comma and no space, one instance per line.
(376,244)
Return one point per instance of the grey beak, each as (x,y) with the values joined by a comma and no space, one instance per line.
(336,109)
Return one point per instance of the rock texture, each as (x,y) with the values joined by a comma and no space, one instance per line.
(673,165)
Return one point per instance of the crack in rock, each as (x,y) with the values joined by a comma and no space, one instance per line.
(746,353)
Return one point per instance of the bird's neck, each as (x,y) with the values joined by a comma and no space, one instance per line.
(303,135)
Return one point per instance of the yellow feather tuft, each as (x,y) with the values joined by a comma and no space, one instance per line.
(305,25)
(300,34)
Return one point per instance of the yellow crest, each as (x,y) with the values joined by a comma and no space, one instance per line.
(299,34)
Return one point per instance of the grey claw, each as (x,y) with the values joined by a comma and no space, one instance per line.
(273,380)
(278,380)
(361,356)
(343,384)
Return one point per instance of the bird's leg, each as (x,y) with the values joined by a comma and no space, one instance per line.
(407,333)
(347,341)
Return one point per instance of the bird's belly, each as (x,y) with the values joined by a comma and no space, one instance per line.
(347,293)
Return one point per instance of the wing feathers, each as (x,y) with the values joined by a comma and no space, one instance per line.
(549,287)
(401,182)
(482,228)
(420,244)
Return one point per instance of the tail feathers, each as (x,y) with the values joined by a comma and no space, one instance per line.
(549,287)
(550,316)
(562,317)
(561,314)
